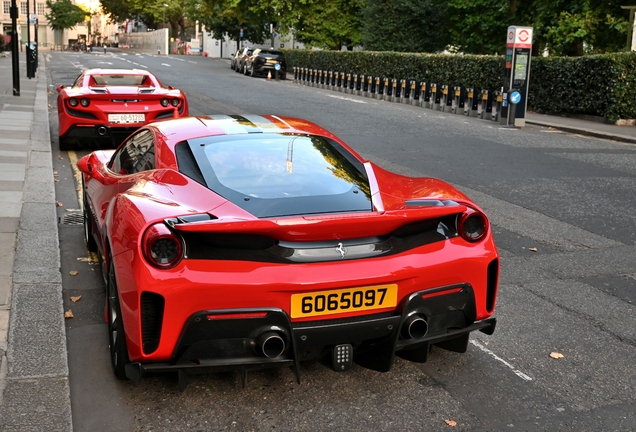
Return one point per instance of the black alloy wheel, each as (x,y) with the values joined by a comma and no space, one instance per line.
(116,337)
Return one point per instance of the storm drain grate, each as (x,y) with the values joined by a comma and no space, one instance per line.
(73,219)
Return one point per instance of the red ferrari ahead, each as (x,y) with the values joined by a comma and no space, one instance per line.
(258,241)
(107,105)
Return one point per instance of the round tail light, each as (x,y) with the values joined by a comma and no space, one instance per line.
(165,102)
(162,248)
(175,102)
(85,102)
(72,102)
(473,225)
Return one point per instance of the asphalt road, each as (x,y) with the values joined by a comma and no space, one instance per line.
(563,209)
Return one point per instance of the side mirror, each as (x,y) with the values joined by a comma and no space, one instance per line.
(59,88)
(88,165)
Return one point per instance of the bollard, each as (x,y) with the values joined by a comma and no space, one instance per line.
(380,88)
(458,100)
(395,91)
(403,94)
(447,99)
(321,83)
(324,79)
(370,87)
(471,104)
(386,89)
(414,96)
(356,89)
(425,95)
(496,106)
(485,107)
(436,97)
(342,81)
(295,75)
(330,81)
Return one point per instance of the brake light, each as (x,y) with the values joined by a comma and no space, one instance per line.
(473,225)
(161,248)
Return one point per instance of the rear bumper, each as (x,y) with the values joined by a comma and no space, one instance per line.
(221,340)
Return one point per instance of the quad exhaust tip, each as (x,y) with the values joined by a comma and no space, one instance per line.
(270,344)
(415,327)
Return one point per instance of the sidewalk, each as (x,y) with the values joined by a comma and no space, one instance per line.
(584,127)
(34,388)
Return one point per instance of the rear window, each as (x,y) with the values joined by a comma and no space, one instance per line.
(282,174)
(120,80)
(271,55)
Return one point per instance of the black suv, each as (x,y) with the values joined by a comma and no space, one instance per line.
(261,62)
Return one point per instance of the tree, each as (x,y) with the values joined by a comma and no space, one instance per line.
(329,25)
(64,14)
(227,17)
(405,25)
(479,26)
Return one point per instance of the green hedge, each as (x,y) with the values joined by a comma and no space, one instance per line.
(602,85)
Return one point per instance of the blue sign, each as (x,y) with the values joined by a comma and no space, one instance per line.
(241,33)
(277,66)
(515,97)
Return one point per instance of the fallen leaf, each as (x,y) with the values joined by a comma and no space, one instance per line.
(56,180)
(54,172)
(452,423)
(556,355)
(73,272)
(59,204)
(68,314)
(76,299)
(60,158)
(73,210)
(78,189)
(533,249)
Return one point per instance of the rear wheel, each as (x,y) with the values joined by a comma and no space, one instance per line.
(252,71)
(244,68)
(116,337)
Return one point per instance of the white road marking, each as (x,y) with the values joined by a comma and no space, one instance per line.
(347,99)
(190,61)
(137,64)
(143,66)
(499,359)
(180,59)
(108,63)
(165,64)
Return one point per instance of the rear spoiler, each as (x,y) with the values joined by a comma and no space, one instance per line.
(307,228)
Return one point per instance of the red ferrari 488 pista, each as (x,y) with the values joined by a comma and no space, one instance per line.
(258,241)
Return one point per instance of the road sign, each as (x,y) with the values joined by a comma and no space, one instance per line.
(515,97)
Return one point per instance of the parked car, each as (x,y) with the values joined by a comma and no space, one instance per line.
(243,55)
(233,60)
(107,105)
(261,241)
(262,62)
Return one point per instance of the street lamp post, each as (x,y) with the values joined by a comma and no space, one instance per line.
(14,48)
(164,14)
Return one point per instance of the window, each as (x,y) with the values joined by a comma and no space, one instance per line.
(41,9)
(137,155)
(23,8)
(6,7)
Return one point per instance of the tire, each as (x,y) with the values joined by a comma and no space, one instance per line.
(237,68)
(91,244)
(116,336)
(253,72)
(65,144)
(244,68)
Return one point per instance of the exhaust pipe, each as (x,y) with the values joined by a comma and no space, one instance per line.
(415,327)
(270,344)
(101,130)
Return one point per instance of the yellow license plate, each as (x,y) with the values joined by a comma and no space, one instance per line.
(343,301)
(274,61)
